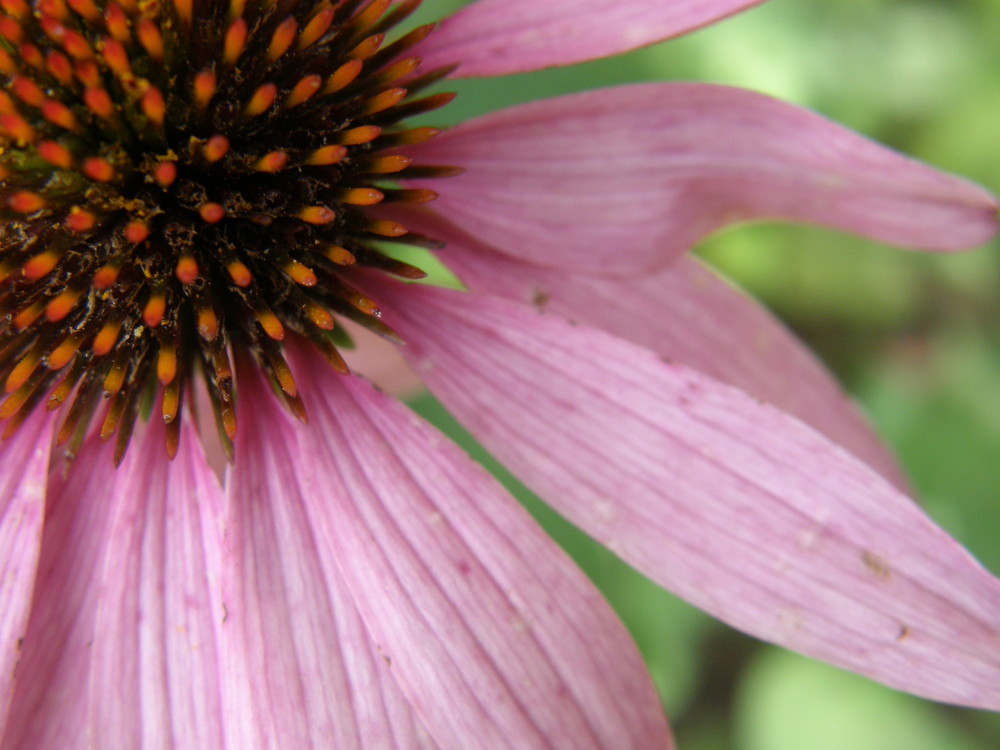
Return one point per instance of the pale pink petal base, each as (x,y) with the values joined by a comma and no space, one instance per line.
(497,37)
(733,505)
(25,460)
(687,314)
(623,180)
(493,636)
(155,676)
(49,708)
(120,650)
(300,668)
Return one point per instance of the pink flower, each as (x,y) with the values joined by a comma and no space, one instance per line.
(358,581)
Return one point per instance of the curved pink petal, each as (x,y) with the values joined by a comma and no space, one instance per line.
(688,314)
(49,706)
(493,635)
(623,180)
(301,671)
(155,674)
(25,461)
(728,502)
(497,37)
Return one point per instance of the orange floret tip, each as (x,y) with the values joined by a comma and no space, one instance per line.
(76,45)
(62,354)
(41,264)
(316,28)
(208,323)
(388,164)
(186,270)
(55,8)
(166,365)
(150,38)
(319,317)
(359,135)
(185,10)
(367,48)
(7,64)
(216,147)
(32,55)
(165,173)
(27,91)
(317,215)
(300,274)
(21,372)
(326,155)
(88,73)
(99,102)
(55,154)
(28,316)
(362,196)
(26,202)
(59,114)
(211,212)
(261,100)
(271,325)
(59,67)
(86,8)
(80,220)
(11,30)
(116,22)
(386,228)
(60,305)
(136,231)
(156,307)
(153,105)
(106,338)
(272,162)
(340,255)
(234,42)
(303,90)
(342,76)
(17,128)
(204,88)
(98,169)
(239,273)
(106,276)
(383,100)
(16,8)
(282,38)
(115,56)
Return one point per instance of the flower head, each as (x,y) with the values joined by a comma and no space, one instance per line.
(195,194)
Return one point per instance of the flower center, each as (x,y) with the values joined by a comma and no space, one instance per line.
(184,181)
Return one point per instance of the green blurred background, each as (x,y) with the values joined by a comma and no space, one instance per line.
(916,339)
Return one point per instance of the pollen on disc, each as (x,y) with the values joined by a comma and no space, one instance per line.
(212,213)
(165,173)
(136,231)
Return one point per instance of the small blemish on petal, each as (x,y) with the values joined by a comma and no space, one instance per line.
(876,565)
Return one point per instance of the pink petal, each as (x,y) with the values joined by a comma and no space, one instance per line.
(155,656)
(301,671)
(25,460)
(497,37)
(49,706)
(623,180)
(686,313)
(493,635)
(728,502)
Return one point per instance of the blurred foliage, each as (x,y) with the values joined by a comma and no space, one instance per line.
(916,338)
